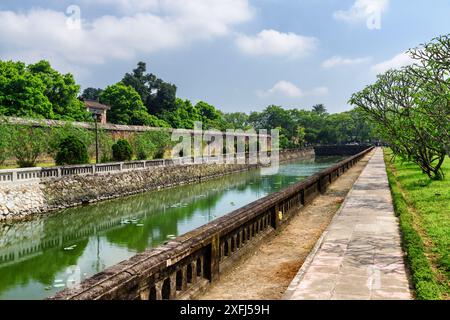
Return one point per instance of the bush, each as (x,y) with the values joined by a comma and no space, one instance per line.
(105,146)
(60,134)
(72,151)
(151,144)
(122,150)
(4,142)
(27,144)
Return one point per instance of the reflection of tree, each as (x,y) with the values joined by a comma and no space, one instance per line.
(41,268)
(165,222)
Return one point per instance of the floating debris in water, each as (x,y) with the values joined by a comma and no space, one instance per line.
(232,203)
(59,280)
(125,222)
(139,225)
(59,285)
(70,248)
(171,236)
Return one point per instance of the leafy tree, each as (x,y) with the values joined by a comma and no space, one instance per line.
(210,116)
(158,96)
(27,144)
(21,93)
(127,107)
(39,91)
(237,120)
(183,116)
(72,151)
(391,102)
(92,94)
(122,150)
(319,109)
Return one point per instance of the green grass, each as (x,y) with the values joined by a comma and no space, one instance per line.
(423,207)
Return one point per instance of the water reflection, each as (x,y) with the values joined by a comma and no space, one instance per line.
(35,255)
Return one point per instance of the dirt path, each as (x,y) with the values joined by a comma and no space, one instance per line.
(266,274)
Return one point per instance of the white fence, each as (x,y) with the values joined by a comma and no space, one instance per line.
(37,173)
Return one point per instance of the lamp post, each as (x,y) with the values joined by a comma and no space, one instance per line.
(96,119)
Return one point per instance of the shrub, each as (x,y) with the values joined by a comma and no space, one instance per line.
(60,134)
(72,151)
(27,144)
(151,144)
(122,150)
(4,142)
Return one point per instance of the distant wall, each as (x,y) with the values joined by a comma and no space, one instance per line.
(19,200)
(339,150)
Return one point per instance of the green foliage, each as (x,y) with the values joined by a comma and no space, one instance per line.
(106,142)
(72,150)
(158,96)
(411,107)
(127,107)
(423,207)
(210,116)
(184,115)
(4,141)
(300,127)
(237,120)
(151,144)
(59,134)
(27,144)
(38,91)
(92,94)
(122,151)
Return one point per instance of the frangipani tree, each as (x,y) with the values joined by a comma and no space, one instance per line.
(411,107)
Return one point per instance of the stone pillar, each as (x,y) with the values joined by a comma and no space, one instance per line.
(215,257)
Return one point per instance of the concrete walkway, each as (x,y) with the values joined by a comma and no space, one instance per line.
(359,257)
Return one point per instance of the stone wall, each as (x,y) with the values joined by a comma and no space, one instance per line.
(20,200)
(339,150)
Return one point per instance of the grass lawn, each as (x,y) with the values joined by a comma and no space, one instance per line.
(423,206)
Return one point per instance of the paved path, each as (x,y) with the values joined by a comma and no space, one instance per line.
(360,255)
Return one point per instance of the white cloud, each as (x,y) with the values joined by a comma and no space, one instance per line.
(340,61)
(275,43)
(361,10)
(164,24)
(286,89)
(400,60)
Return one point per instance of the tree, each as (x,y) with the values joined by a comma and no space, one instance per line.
(92,94)
(122,150)
(183,116)
(319,109)
(158,96)
(72,151)
(395,103)
(21,93)
(127,107)
(432,70)
(27,144)
(237,120)
(38,91)
(210,116)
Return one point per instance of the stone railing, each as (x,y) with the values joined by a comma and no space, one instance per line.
(34,174)
(183,267)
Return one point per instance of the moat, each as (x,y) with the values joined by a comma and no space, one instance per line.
(38,257)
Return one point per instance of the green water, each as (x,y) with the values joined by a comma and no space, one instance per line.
(37,256)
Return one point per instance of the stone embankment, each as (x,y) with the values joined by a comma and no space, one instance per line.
(22,199)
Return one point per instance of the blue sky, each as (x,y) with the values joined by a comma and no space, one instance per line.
(239,55)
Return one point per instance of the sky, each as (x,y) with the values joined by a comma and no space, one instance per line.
(238,55)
